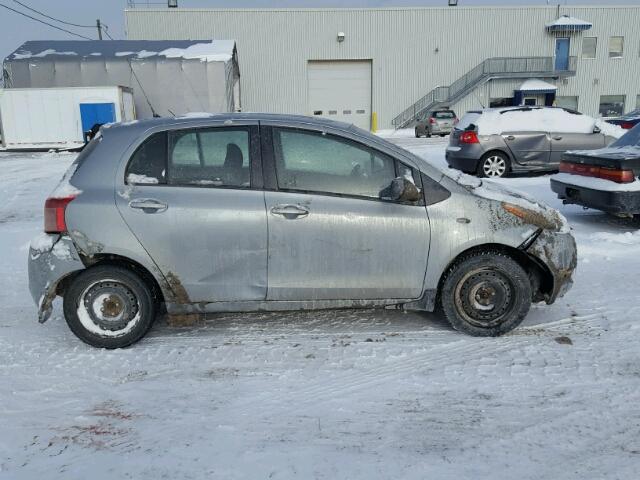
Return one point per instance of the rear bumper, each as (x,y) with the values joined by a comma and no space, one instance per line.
(607,201)
(558,252)
(51,259)
(461,160)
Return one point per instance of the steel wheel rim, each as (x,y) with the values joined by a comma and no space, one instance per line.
(109,307)
(484,297)
(494,166)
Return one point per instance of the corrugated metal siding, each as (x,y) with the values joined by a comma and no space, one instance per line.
(275,45)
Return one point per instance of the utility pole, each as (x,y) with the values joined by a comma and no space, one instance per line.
(99,25)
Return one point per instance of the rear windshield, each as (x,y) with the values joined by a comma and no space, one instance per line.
(444,115)
(469,121)
(631,138)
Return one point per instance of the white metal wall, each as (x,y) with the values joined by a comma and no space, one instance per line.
(412,49)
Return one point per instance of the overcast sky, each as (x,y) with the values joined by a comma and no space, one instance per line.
(16,29)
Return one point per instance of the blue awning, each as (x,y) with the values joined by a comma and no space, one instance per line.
(568,24)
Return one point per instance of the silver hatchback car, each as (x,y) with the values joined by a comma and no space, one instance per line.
(248,212)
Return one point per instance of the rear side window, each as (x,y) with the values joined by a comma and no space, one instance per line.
(448,115)
(216,157)
(148,165)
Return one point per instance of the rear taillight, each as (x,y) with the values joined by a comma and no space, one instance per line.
(469,137)
(54,212)
(612,174)
(627,125)
(432,121)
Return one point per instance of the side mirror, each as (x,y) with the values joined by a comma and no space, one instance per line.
(402,190)
(597,129)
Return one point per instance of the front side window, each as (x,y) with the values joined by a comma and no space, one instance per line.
(611,105)
(317,162)
(148,165)
(216,157)
(589,45)
(616,47)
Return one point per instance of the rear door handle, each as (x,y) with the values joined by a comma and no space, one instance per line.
(148,205)
(289,211)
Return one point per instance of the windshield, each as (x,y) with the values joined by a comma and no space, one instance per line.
(629,139)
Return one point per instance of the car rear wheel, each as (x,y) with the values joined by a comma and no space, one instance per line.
(493,165)
(109,307)
(486,294)
(417,134)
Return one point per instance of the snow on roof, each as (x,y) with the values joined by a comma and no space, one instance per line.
(496,121)
(203,50)
(535,85)
(566,22)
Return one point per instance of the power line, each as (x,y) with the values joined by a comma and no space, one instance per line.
(52,18)
(46,23)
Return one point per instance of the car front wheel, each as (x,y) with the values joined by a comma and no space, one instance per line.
(493,165)
(486,294)
(109,306)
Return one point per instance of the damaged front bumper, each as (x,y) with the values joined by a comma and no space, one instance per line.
(558,252)
(51,259)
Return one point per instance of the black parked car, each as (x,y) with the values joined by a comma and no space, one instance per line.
(604,179)
(628,120)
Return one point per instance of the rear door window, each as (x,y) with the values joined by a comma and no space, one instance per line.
(217,157)
(148,165)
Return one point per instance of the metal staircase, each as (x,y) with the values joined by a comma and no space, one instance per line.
(491,68)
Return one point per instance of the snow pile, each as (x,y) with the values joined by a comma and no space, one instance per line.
(497,121)
(214,51)
(44,53)
(42,242)
(141,179)
(626,238)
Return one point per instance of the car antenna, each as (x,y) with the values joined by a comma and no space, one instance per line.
(173,114)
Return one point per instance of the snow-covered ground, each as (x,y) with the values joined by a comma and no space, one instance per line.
(343,394)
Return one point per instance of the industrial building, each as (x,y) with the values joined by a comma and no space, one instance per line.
(389,64)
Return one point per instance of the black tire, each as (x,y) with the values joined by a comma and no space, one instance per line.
(494,158)
(443,134)
(131,300)
(486,294)
(428,134)
(417,134)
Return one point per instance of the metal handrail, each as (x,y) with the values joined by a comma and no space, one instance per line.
(489,68)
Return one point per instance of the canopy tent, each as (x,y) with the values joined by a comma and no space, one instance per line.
(167,76)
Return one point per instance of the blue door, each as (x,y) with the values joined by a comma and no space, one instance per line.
(562,54)
(92,113)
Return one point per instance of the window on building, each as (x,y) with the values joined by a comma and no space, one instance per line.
(216,157)
(500,102)
(611,105)
(616,47)
(568,102)
(148,165)
(589,45)
(315,162)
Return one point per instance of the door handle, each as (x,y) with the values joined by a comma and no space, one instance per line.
(148,205)
(557,138)
(289,211)
(510,137)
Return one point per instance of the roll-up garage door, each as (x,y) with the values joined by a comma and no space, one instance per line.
(341,90)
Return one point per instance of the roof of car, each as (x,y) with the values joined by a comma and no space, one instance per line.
(202,118)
